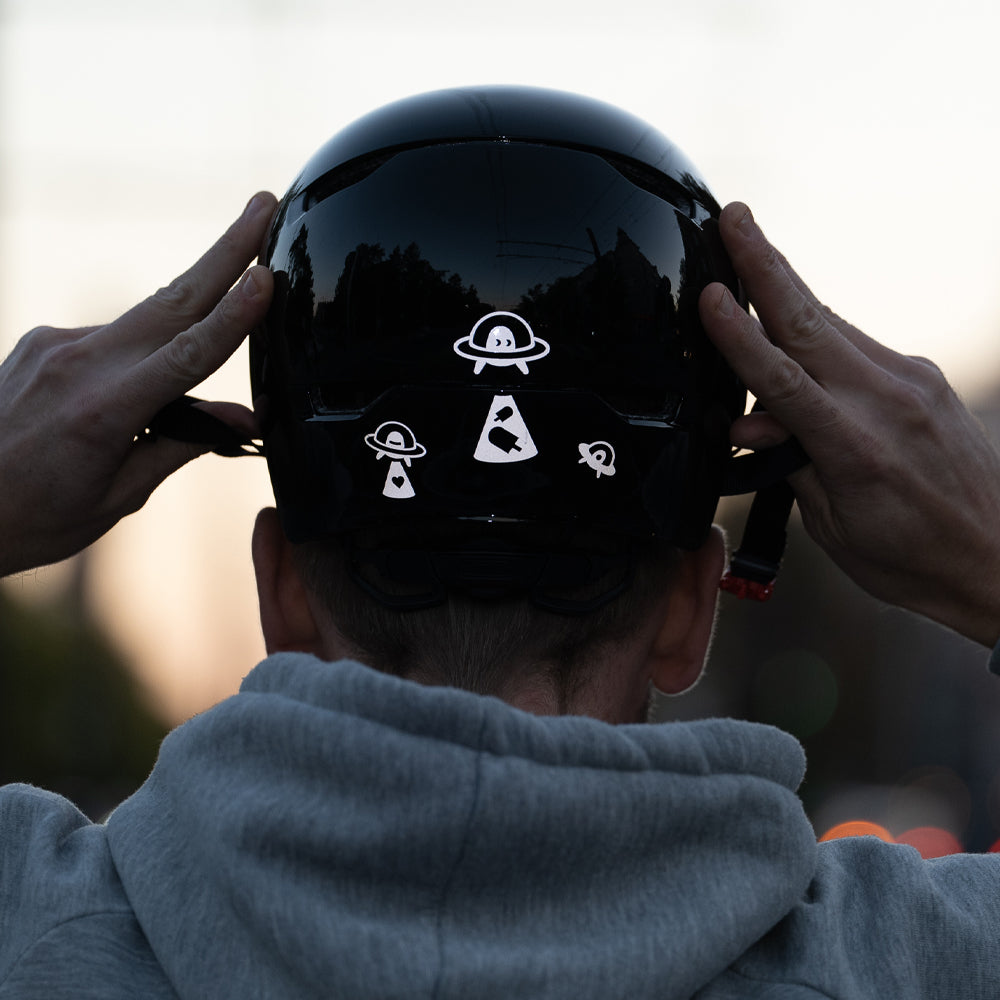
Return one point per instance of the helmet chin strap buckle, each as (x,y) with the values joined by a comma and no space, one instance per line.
(753,567)
(755,564)
(737,581)
(746,589)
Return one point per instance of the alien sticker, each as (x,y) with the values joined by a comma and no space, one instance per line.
(397,442)
(505,436)
(600,456)
(501,339)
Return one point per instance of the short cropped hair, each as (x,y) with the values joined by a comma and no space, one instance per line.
(482,645)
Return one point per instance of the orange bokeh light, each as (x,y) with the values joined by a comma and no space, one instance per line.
(858,828)
(931,841)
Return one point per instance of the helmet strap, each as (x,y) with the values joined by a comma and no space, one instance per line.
(755,564)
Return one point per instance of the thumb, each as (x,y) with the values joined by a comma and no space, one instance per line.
(148,465)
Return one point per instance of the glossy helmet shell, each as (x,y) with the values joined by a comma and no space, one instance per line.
(486,309)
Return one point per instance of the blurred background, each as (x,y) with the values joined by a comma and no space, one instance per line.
(865,136)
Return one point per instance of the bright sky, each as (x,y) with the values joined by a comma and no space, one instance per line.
(865,135)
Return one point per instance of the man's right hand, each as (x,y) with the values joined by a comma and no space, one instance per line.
(903,490)
(74,403)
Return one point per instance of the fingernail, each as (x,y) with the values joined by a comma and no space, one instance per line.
(249,287)
(724,305)
(746,225)
(254,205)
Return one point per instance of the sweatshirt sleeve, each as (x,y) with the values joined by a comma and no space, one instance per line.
(880,921)
(55,874)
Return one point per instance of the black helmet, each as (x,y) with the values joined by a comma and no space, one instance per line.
(486,312)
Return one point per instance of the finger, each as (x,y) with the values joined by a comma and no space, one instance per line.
(190,297)
(785,389)
(151,462)
(757,430)
(190,357)
(145,468)
(808,488)
(240,418)
(792,315)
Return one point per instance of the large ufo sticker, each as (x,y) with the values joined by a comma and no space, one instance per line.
(501,339)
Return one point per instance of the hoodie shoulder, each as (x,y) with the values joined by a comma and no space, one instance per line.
(880,921)
(66,926)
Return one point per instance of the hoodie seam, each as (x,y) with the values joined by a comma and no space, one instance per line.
(459,860)
(783,981)
(118,911)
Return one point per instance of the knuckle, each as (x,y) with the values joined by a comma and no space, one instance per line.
(829,315)
(179,298)
(227,311)
(929,375)
(910,401)
(774,260)
(61,359)
(185,356)
(787,380)
(40,334)
(808,323)
(43,339)
(924,389)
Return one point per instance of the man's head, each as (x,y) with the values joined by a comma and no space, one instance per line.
(486,393)
(656,632)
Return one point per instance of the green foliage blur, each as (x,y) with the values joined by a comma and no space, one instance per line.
(72,719)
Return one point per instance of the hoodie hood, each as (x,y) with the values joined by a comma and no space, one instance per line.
(333,831)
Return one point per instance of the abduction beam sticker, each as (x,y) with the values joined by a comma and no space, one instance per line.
(505,436)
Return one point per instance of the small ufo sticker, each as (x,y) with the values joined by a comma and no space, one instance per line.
(396,441)
(501,339)
(600,456)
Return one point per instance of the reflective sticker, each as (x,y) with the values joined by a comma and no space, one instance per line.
(600,456)
(397,483)
(501,339)
(505,436)
(396,441)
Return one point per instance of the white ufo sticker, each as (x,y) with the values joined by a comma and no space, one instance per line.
(501,339)
(505,436)
(396,441)
(600,456)
(397,483)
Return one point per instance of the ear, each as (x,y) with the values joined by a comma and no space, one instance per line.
(677,655)
(286,617)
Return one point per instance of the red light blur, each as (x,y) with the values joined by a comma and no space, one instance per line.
(931,841)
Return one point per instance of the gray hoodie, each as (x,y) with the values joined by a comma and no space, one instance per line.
(334,832)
